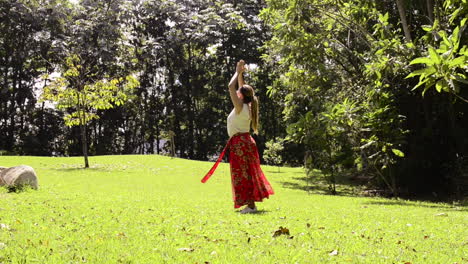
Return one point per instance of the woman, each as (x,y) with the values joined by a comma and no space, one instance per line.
(249,184)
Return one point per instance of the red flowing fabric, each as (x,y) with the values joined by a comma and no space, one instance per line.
(248,181)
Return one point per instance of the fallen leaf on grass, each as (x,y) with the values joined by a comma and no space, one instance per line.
(248,240)
(441,214)
(426,237)
(321,227)
(186,249)
(407,262)
(281,231)
(308,225)
(333,253)
(363,236)
(44,242)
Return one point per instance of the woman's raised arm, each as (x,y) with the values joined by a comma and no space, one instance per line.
(240,78)
(236,101)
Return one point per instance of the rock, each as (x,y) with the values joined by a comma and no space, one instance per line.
(1,178)
(18,176)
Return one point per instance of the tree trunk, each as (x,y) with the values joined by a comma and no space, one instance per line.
(84,144)
(12,112)
(84,141)
(430,10)
(404,23)
(3,107)
(145,125)
(95,139)
(189,104)
(22,99)
(151,141)
(135,138)
(173,146)
(157,137)
(175,121)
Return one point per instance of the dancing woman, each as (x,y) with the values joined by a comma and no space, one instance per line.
(249,184)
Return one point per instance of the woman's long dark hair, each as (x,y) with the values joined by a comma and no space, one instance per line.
(249,98)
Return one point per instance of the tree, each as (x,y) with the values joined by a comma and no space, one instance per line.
(73,90)
(186,53)
(28,30)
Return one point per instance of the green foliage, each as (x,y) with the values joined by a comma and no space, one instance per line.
(27,39)
(336,80)
(71,92)
(445,66)
(272,153)
(341,70)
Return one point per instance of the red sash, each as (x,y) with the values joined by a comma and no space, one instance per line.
(208,175)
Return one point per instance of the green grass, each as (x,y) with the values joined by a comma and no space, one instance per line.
(148,209)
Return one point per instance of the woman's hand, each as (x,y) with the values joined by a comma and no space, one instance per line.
(236,78)
(240,68)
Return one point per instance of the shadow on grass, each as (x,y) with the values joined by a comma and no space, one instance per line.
(320,186)
(351,189)
(259,212)
(79,169)
(92,168)
(276,172)
(15,189)
(414,203)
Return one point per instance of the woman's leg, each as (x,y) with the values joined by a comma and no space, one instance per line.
(251,204)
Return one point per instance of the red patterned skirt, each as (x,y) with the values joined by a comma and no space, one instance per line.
(248,181)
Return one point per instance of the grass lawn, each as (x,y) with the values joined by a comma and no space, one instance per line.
(153,209)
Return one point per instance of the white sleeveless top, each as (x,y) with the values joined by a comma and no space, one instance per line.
(239,123)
